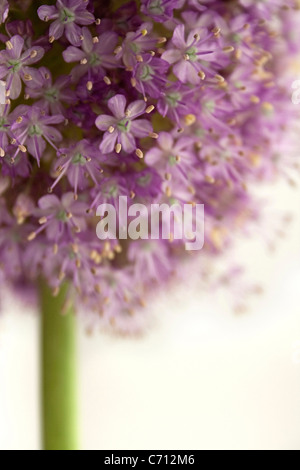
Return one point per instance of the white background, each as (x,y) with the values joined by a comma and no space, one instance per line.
(202,377)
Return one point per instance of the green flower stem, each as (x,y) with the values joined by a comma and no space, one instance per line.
(59,388)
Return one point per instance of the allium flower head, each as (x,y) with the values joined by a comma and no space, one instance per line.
(173,102)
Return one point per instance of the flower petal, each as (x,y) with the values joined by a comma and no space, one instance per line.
(117,105)
(127,142)
(178,38)
(17,43)
(141,128)
(38,54)
(172,56)
(182,71)
(84,17)
(153,156)
(107,42)
(165,141)
(73,34)
(49,11)
(104,121)
(136,108)
(16,87)
(73,54)
(108,142)
(56,29)
(49,202)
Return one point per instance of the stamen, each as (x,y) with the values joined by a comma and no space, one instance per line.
(139,153)
(31,237)
(209,179)
(228,49)
(149,109)
(107,80)
(117,50)
(89,85)
(153,135)
(216,31)
(111,129)
(22,148)
(168,191)
(189,119)
(219,78)
(254,99)
(118,148)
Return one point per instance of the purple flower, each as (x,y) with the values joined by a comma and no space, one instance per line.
(109,190)
(51,96)
(149,75)
(136,43)
(96,54)
(14,64)
(191,57)
(80,163)
(15,164)
(59,218)
(33,129)
(172,158)
(122,129)
(217,85)
(176,102)
(67,15)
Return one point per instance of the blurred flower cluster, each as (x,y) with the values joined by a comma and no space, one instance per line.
(160,100)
